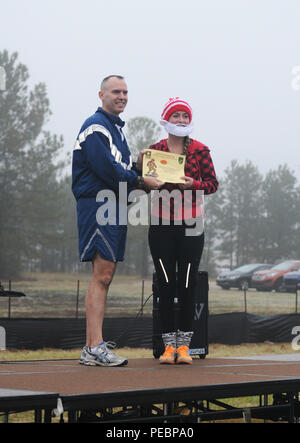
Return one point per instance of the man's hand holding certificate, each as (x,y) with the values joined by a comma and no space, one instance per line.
(164,166)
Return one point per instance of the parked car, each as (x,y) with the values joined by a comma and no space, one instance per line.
(291,281)
(273,278)
(240,277)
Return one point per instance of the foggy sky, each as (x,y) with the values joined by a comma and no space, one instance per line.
(232,60)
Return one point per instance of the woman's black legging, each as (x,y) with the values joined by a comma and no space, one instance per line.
(172,251)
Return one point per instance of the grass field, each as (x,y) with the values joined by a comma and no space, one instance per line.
(215,350)
(55,295)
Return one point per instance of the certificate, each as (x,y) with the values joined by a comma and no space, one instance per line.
(164,166)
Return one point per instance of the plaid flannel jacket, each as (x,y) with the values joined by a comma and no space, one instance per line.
(199,166)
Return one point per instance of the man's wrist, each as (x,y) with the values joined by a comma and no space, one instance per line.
(141,182)
(136,167)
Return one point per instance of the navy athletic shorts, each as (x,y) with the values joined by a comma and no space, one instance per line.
(108,240)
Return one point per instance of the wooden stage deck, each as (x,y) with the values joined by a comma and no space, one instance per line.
(145,391)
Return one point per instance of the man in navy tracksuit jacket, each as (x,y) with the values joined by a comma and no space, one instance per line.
(101,161)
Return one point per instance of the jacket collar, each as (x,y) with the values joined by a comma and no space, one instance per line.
(112,118)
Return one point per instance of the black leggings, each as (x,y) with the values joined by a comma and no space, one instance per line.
(173,251)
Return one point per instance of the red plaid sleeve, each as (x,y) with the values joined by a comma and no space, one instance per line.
(208,180)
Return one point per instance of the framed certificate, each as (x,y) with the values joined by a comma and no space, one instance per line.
(164,166)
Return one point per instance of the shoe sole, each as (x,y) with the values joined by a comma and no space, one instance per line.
(92,363)
(184,362)
(166,362)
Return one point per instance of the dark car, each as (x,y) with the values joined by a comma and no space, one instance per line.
(240,277)
(291,281)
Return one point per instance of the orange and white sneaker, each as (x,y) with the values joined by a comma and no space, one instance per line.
(183,356)
(169,356)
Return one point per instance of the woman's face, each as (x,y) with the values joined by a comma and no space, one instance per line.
(180,118)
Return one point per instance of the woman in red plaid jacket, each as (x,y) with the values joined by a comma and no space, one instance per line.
(176,247)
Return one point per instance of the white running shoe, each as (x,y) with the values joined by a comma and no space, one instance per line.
(102,356)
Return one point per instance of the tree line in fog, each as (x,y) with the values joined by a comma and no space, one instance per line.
(253,217)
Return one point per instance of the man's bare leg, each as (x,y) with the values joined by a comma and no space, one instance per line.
(103,272)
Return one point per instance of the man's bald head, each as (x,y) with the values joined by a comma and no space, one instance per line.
(106,80)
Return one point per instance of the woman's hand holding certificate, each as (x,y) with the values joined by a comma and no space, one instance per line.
(164,166)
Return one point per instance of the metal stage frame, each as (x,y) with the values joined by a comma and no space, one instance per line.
(187,405)
(146,392)
(15,401)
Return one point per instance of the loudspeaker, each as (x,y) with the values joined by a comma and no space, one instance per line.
(199,342)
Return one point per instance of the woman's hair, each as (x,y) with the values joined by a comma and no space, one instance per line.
(186,144)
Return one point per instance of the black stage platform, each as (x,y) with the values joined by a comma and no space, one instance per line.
(146,392)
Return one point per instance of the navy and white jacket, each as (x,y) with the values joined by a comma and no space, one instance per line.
(101,157)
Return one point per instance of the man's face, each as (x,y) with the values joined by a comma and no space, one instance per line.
(114,96)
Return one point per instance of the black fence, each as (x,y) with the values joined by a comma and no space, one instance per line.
(232,329)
